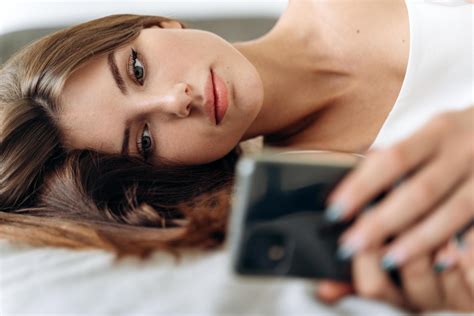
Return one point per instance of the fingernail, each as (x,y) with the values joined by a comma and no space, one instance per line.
(345,252)
(389,262)
(349,248)
(459,241)
(441,265)
(334,213)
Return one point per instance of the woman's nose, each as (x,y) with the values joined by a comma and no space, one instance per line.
(178,101)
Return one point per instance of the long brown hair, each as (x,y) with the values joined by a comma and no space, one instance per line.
(87,199)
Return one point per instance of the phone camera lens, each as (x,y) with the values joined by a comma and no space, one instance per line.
(267,251)
(276,253)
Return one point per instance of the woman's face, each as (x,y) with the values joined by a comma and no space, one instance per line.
(163,94)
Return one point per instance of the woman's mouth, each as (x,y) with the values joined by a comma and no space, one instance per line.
(210,105)
(216,98)
(220,97)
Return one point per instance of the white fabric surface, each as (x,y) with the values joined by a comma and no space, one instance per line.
(47,280)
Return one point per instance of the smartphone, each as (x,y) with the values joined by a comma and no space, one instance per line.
(277,224)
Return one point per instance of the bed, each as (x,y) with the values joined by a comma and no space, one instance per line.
(46,281)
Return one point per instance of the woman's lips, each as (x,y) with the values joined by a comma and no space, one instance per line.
(216,98)
(209,105)
(220,96)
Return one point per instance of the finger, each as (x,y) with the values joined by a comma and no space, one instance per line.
(370,281)
(464,243)
(380,170)
(408,202)
(446,257)
(457,295)
(420,284)
(434,230)
(330,291)
(465,252)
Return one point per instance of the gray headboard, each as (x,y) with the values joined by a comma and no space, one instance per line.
(232,29)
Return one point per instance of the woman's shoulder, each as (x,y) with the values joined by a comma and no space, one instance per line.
(345,28)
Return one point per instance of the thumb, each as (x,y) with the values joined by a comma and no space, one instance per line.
(331,291)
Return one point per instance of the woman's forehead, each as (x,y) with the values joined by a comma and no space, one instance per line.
(90,101)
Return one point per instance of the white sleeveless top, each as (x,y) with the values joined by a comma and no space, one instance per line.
(439,75)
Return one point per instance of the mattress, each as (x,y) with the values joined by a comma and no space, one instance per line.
(40,281)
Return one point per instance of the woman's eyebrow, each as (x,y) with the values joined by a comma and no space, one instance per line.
(116,73)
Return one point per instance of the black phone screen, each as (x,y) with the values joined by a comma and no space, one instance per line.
(281,226)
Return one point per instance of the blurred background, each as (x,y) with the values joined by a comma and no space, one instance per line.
(23,21)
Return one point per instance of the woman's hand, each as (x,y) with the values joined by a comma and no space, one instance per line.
(423,288)
(434,200)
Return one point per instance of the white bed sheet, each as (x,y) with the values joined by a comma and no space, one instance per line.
(39,281)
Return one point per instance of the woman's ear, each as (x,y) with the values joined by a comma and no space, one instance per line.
(171,25)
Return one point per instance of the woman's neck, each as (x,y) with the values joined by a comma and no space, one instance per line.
(301,74)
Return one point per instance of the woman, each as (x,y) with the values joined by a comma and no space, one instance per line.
(123,125)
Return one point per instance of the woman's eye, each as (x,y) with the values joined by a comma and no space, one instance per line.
(136,69)
(145,143)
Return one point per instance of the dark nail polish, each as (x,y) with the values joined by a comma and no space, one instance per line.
(334,213)
(388,263)
(345,252)
(440,266)
(459,241)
